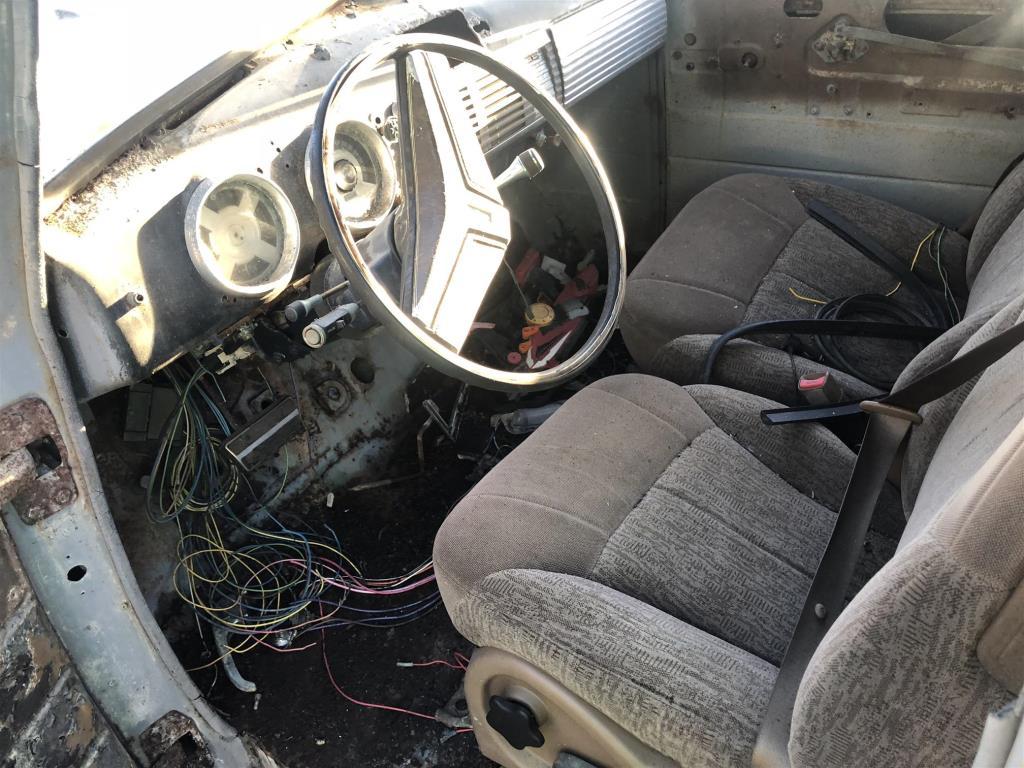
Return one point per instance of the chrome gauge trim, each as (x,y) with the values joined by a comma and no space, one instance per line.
(365,140)
(288,240)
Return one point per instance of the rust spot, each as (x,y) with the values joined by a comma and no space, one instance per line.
(46,655)
(84,732)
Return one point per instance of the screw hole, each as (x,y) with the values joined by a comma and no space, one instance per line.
(62,332)
(77,573)
(460,706)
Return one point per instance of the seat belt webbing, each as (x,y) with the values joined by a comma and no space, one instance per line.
(890,419)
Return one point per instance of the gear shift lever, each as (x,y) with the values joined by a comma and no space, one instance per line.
(526,165)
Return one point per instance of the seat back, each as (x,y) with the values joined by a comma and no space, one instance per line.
(899,680)
(1003,206)
(999,283)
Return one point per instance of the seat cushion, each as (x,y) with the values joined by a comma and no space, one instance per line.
(736,250)
(679,525)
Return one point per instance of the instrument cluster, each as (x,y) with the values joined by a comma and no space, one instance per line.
(242,231)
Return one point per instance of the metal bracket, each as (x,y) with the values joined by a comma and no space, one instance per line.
(834,46)
(34,472)
(844,41)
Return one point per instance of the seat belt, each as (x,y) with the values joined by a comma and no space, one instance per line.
(890,419)
(863,328)
(856,237)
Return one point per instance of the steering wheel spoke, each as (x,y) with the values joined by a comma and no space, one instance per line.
(460,228)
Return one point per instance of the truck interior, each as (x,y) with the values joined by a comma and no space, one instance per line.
(571,383)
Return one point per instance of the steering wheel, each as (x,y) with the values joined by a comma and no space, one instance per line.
(448,237)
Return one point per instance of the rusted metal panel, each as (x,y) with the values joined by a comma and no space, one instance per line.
(47,719)
(173,741)
(22,425)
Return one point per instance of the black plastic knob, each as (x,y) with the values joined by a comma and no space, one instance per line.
(515,722)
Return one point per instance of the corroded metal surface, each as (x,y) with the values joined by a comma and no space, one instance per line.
(47,719)
(22,424)
(173,741)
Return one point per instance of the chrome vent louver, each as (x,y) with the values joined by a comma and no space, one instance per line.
(569,59)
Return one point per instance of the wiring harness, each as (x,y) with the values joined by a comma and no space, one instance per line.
(281,583)
(883,308)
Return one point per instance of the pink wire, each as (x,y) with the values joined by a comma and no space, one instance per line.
(361,589)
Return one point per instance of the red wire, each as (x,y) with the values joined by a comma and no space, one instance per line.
(348,698)
(370,705)
(433,663)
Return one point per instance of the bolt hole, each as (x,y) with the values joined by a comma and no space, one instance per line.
(461,706)
(690,66)
(62,332)
(139,298)
(362,369)
(77,573)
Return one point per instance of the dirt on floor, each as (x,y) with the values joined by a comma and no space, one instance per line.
(296,714)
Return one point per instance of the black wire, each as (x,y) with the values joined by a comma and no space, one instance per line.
(872,306)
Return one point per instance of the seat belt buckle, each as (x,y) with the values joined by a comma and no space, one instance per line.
(820,389)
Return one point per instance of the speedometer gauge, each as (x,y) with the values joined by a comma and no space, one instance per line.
(362,179)
(242,235)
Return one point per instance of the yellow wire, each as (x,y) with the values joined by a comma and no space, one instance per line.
(913,262)
(806,298)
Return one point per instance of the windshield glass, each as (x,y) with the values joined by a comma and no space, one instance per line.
(102,61)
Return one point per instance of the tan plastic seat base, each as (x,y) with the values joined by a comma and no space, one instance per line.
(568,723)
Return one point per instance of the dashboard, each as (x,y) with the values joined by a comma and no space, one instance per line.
(209,222)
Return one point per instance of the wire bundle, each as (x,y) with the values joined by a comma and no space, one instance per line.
(280,583)
(882,308)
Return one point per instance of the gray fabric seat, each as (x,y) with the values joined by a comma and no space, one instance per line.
(739,249)
(651,545)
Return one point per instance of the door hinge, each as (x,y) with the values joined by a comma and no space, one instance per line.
(35,476)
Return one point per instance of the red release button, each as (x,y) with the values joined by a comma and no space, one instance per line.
(807,382)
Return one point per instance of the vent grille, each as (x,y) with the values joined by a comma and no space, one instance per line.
(497,112)
(600,41)
(577,54)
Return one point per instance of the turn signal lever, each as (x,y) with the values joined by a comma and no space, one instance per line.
(526,165)
(319,332)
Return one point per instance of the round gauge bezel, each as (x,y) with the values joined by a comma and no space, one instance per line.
(203,259)
(368,135)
